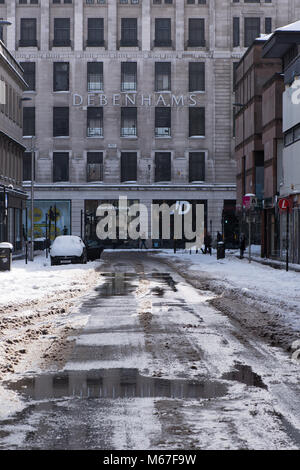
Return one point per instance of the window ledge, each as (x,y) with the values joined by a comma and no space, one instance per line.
(61,137)
(129,48)
(92,48)
(133,137)
(61,48)
(62,91)
(163,137)
(95,137)
(197,137)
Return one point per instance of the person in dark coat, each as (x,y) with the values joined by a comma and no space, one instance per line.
(207,244)
(219,237)
(242,245)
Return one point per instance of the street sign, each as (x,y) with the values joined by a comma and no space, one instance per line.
(249,201)
(284,204)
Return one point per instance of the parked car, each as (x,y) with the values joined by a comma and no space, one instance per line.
(68,249)
(94,248)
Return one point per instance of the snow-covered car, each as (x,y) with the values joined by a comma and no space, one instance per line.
(68,249)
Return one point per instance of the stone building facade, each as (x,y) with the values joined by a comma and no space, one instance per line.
(12,196)
(182,55)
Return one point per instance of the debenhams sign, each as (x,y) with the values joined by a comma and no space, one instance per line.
(135,99)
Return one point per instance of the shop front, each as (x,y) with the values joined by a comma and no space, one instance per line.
(12,210)
(51,218)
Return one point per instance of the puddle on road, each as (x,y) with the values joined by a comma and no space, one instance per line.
(122,284)
(117,284)
(113,383)
(244,374)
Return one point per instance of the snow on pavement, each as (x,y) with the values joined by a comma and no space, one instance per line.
(275,288)
(39,279)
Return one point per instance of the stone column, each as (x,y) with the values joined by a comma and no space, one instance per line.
(78,25)
(112,30)
(146,25)
(77,206)
(12,29)
(45,25)
(179,27)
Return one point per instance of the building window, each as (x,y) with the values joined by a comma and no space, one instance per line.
(196,32)
(61,76)
(62,32)
(162,166)
(162,122)
(196,122)
(128,76)
(129,32)
(162,76)
(28,32)
(268,25)
(197,76)
(95,76)
(27,159)
(94,121)
(236,32)
(95,166)
(60,121)
(29,121)
(128,122)
(29,74)
(252,30)
(95,32)
(196,166)
(60,166)
(163,32)
(128,166)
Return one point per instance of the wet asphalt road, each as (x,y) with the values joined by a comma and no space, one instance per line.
(154,367)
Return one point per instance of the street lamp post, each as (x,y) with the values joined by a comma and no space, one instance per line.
(31,254)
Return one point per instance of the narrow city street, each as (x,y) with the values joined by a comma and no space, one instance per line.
(156,366)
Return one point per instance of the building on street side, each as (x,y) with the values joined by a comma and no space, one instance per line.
(12,195)
(284,44)
(259,87)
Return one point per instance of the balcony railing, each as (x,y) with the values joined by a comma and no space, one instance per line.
(128,132)
(61,43)
(28,43)
(95,86)
(195,43)
(95,43)
(95,132)
(129,43)
(163,43)
(128,86)
(162,131)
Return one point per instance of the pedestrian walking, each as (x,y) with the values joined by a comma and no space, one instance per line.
(207,244)
(242,245)
(219,237)
(143,241)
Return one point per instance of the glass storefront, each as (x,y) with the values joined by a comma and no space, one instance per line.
(11,214)
(50,217)
(90,222)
